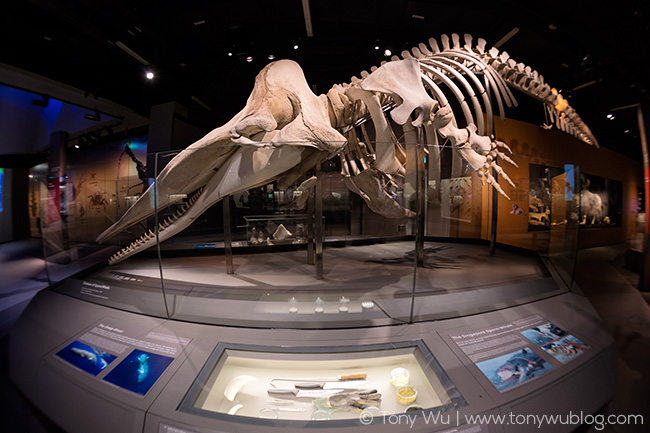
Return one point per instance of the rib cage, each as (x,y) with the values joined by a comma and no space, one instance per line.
(471,72)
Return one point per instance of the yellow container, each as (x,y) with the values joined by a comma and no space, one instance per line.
(406,395)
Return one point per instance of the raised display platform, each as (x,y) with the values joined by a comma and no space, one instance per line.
(544,357)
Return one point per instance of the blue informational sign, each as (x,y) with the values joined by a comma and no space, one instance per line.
(139,371)
(85,357)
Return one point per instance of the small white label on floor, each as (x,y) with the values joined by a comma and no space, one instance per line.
(164,428)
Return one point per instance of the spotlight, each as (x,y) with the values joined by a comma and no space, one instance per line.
(76,146)
(149,75)
(95,117)
(271,57)
(610,116)
(249,59)
(295,47)
(387,53)
(229,54)
(376,47)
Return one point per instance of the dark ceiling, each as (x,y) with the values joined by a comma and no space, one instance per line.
(594,54)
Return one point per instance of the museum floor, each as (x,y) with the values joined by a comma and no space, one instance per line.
(600,275)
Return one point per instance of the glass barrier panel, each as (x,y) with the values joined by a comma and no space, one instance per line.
(460,272)
(268,236)
(566,189)
(277,275)
(99,185)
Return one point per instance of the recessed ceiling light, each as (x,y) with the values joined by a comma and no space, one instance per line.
(295,47)
(387,53)
(150,75)
(271,57)
(376,47)
(610,116)
(229,54)
(249,59)
(76,146)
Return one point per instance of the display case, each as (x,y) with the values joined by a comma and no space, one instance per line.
(362,268)
(334,384)
(601,202)
(276,229)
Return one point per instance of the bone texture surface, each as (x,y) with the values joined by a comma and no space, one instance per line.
(285,130)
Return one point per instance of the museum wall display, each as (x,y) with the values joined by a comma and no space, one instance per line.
(254,279)
(100,183)
(534,145)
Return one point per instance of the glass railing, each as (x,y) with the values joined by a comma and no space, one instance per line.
(266,237)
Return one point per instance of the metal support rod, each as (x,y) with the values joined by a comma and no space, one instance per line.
(227,235)
(310,228)
(419,197)
(318,223)
(494,219)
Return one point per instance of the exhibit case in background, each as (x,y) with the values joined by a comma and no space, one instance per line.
(286,306)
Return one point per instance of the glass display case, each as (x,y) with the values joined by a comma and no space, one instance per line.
(601,202)
(276,229)
(323,384)
(196,259)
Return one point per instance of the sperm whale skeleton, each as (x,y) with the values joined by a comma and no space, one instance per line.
(285,130)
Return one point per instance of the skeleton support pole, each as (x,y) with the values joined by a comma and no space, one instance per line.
(420,197)
(227,235)
(495,212)
(310,227)
(318,222)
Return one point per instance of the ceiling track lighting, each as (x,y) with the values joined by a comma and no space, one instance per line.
(95,117)
(132,53)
